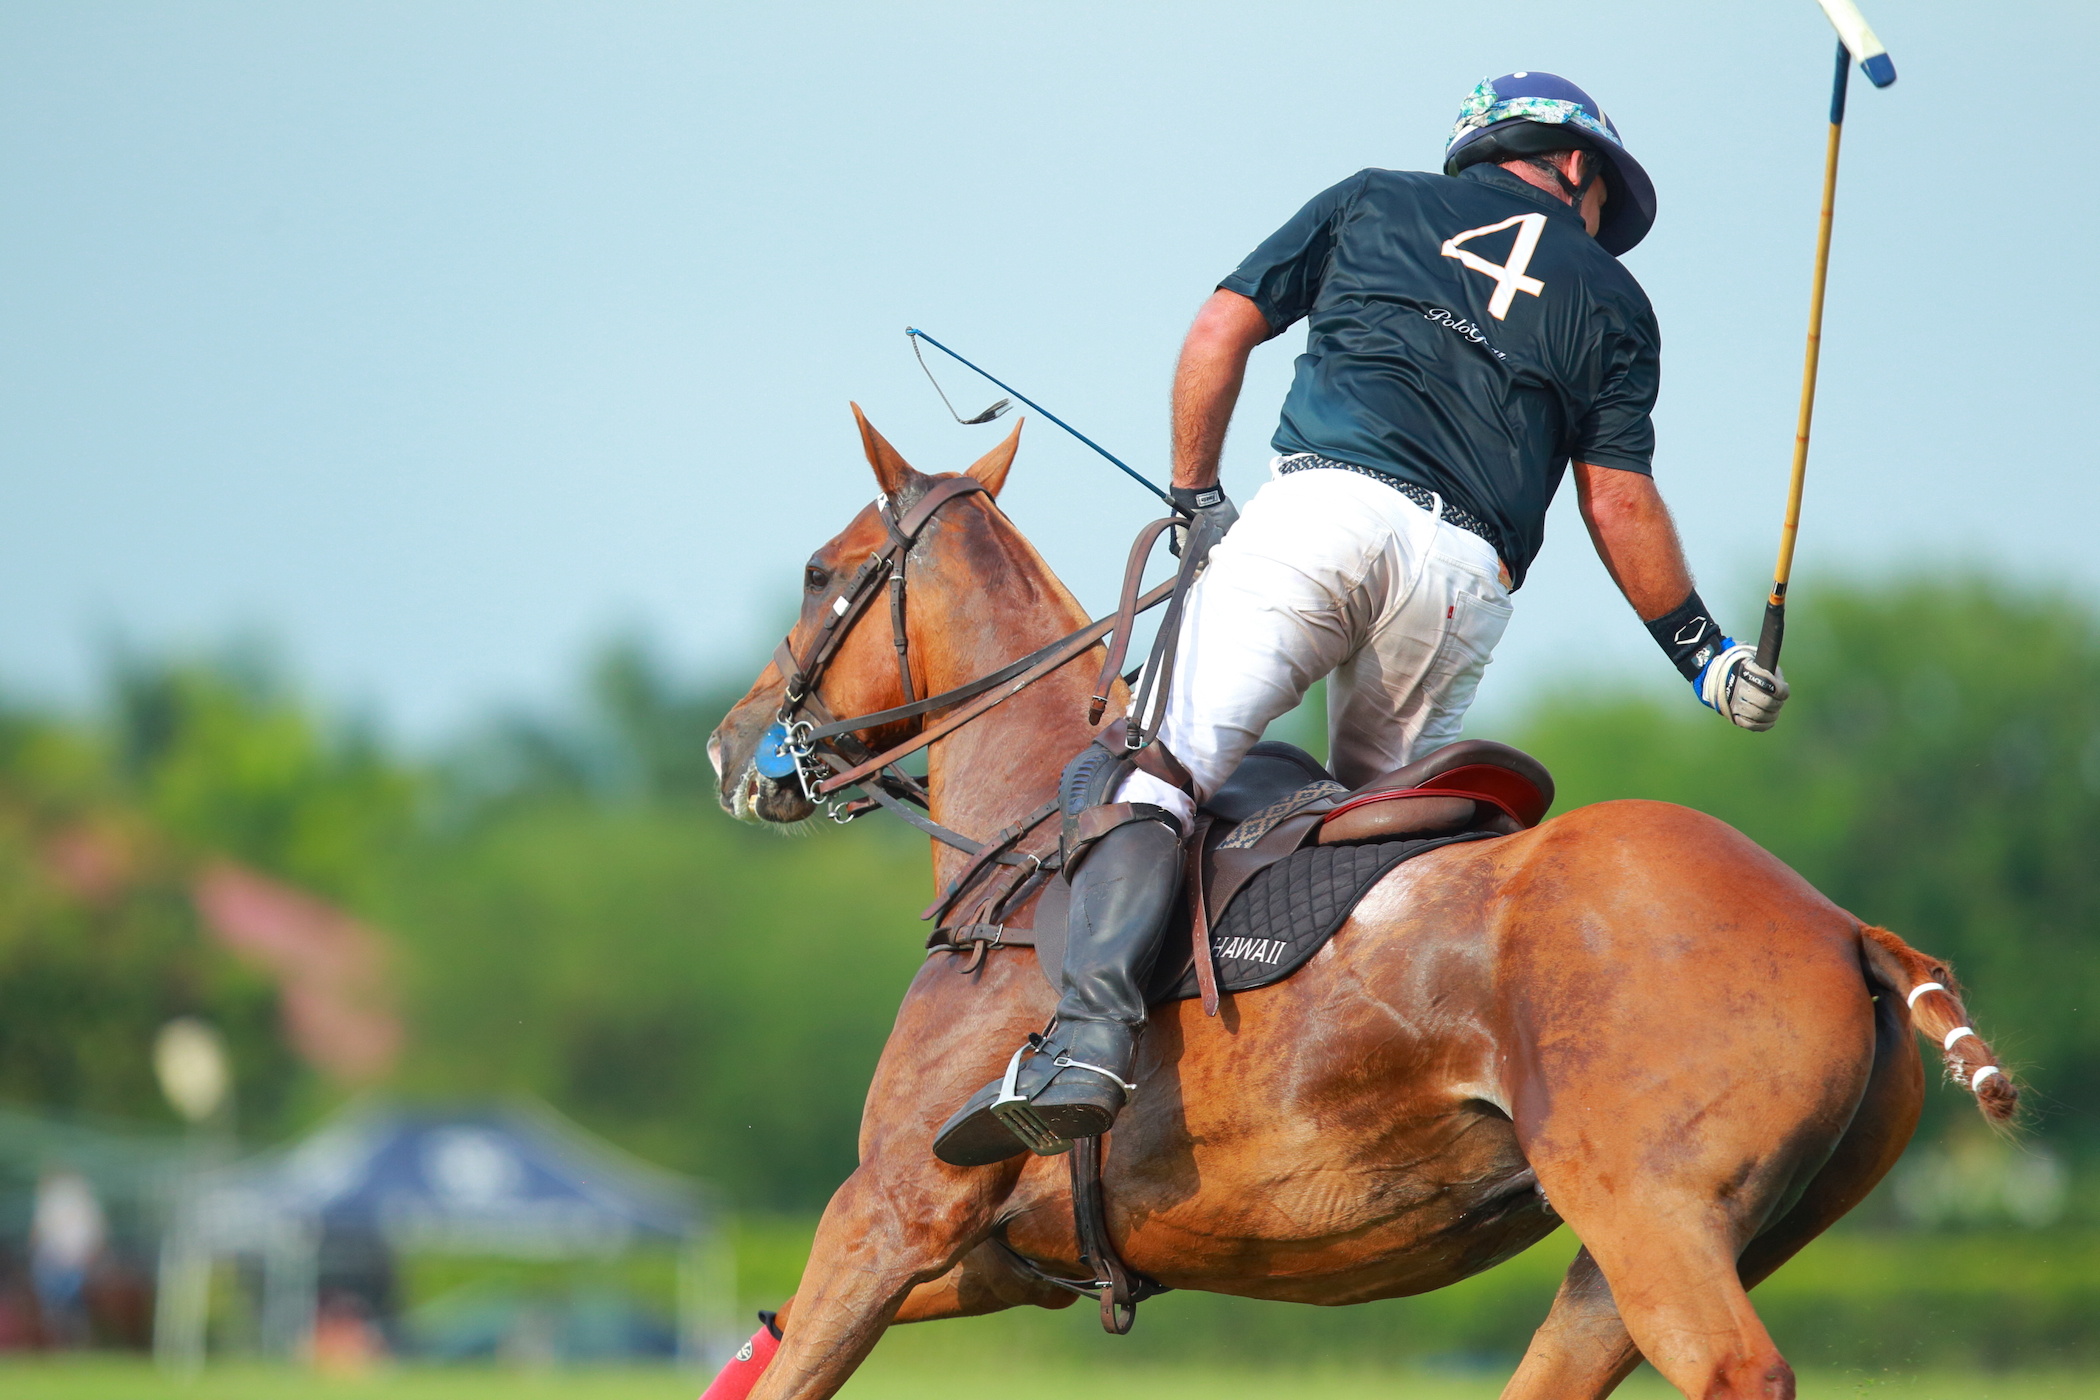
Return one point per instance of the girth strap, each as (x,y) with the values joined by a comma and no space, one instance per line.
(1117,1286)
(977,940)
(998,850)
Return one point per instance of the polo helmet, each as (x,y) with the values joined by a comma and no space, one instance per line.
(1529,113)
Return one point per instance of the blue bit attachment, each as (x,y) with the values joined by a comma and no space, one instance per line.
(775,759)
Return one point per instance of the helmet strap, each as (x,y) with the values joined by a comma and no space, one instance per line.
(1577,191)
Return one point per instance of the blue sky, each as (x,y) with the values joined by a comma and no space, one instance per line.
(438,340)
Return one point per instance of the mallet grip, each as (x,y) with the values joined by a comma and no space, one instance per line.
(1774,633)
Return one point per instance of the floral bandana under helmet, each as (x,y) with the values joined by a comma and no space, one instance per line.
(1483,108)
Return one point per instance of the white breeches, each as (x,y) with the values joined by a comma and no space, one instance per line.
(1330,573)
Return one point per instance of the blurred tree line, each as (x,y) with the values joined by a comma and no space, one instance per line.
(574,917)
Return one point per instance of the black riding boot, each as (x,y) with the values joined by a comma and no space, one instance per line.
(1074,1082)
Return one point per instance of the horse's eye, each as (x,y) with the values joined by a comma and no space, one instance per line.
(816,580)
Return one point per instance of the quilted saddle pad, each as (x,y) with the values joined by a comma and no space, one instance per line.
(1284,915)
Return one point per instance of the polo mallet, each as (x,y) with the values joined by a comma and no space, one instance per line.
(1855,41)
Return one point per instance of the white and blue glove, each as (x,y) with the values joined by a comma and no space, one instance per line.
(1723,671)
(1734,686)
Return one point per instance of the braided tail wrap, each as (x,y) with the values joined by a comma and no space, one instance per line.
(1927,987)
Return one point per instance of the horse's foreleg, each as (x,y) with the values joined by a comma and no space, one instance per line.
(881,1241)
(984,1282)
(1582,1350)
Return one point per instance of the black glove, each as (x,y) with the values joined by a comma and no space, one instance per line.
(1207,504)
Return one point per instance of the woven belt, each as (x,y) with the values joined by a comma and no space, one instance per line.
(1452,513)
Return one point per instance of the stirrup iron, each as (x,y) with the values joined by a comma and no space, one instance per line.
(1019,1116)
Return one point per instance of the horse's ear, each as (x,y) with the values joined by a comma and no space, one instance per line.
(892,472)
(990,469)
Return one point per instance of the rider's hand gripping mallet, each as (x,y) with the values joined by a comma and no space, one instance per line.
(1855,41)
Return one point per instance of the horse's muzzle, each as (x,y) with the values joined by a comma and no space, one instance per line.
(744,792)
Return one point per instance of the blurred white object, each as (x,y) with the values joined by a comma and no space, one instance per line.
(190,1060)
(68,1228)
(66,1233)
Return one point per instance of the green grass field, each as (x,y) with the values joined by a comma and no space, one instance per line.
(1938,1311)
(913,1379)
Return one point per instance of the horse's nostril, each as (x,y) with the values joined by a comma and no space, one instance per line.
(714,753)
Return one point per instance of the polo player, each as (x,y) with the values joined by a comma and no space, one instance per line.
(1470,334)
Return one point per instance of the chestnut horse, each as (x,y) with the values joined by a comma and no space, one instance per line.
(1630,1018)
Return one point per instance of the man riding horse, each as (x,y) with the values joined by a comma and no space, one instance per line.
(1440,398)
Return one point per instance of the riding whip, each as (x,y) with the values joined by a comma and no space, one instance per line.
(1855,41)
(918,335)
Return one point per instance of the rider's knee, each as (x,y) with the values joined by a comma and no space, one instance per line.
(1141,786)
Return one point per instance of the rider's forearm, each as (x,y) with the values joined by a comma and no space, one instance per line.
(1635,537)
(1207,382)
(1638,543)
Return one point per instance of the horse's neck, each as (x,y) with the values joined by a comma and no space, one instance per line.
(1006,763)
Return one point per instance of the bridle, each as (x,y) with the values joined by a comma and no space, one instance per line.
(805,736)
(826,755)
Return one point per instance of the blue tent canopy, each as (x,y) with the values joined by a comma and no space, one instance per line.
(510,1179)
(506,1179)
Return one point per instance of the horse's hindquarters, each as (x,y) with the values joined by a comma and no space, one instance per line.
(1672,995)
(1689,1035)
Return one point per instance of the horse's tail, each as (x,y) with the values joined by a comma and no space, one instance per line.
(1933,997)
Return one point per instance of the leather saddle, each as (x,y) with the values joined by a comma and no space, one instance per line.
(1281,800)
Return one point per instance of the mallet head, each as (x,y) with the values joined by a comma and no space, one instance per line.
(1868,51)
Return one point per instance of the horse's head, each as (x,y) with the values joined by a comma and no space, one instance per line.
(861,675)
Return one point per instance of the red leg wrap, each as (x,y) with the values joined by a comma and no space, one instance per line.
(735,1381)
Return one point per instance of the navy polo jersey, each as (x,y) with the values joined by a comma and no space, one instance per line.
(1463,333)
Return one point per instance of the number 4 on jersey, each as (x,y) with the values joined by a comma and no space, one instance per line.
(1509,277)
